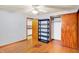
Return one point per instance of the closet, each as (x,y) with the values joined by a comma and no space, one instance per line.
(29,28)
(56,28)
(44,30)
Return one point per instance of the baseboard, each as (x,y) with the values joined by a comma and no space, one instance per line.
(13,43)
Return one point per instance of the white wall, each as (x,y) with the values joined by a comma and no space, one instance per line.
(12,27)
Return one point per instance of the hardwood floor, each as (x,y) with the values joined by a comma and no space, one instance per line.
(26,47)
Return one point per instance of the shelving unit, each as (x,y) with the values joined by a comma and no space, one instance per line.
(44,30)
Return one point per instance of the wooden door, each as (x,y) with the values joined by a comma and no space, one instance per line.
(35,32)
(69,30)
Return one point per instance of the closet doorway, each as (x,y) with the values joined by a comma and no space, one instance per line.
(56,22)
(29,28)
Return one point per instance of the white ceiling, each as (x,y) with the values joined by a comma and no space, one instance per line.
(42,9)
